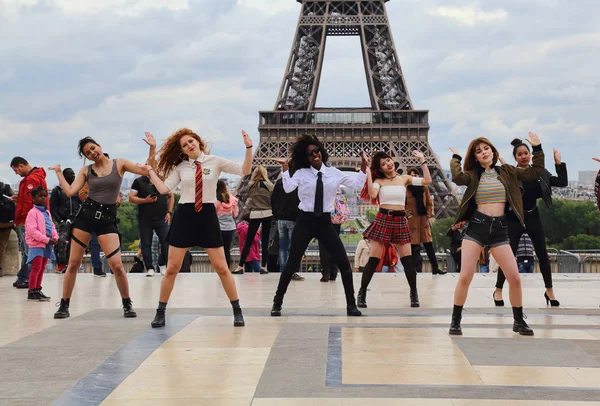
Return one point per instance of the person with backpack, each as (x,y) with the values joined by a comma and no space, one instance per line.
(64,209)
(260,189)
(339,216)
(7,219)
(33,177)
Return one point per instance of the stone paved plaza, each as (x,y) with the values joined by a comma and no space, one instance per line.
(313,355)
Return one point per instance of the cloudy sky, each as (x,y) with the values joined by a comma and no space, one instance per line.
(113,69)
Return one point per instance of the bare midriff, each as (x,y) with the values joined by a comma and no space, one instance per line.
(492,209)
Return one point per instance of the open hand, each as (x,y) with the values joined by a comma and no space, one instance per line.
(596,159)
(283,162)
(502,160)
(145,169)
(419,155)
(150,140)
(557,157)
(533,139)
(247,140)
(56,168)
(454,151)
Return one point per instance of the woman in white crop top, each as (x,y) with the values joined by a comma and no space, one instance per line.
(387,189)
(183,159)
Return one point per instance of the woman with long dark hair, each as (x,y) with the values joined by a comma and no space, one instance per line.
(317,185)
(532,191)
(98,214)
(386,189)
(419,211)
(260,189)
(227,210)
(490,189)
(183,159)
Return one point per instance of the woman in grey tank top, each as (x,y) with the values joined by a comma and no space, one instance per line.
(98,214)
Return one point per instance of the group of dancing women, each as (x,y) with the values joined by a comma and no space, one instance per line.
(499,204)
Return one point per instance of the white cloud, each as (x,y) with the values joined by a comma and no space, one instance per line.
(119,7)
(269,7)
(470,15)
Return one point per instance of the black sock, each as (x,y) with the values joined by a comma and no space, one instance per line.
(368,272)
(162,305)
(410,272)
(235,303)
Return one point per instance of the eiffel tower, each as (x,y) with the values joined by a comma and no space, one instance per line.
(390,124)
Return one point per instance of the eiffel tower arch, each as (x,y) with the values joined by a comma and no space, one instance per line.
(390,124)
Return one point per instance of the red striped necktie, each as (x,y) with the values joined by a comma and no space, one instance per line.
(198,197)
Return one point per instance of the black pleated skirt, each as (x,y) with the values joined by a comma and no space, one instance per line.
(195,229)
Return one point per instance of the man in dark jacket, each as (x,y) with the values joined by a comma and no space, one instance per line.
(7,219)
(285,209)
(33,177)
(63,209)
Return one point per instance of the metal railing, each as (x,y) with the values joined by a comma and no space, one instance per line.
(337,117)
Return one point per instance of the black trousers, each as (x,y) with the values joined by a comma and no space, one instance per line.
(227,237)
(327,265)
(308,227)
(264,239)
(534,228)
(147,227)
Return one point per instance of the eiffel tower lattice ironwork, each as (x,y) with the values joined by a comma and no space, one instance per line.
(389,124)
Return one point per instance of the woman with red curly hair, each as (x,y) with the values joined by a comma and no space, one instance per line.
(386,189)
(184,159)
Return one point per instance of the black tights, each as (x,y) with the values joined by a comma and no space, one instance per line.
(264,239)
(533,223)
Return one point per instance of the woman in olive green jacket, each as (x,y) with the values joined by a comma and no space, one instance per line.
(491,191)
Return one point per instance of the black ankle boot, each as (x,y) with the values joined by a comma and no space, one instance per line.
(238,318)
(414,298)
(455,328)
(159,319)
(519,326)
(43,297)
(353,311)
(63,310)
(361,299)
(128,309)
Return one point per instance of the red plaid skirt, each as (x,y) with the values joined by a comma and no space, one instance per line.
(388,228)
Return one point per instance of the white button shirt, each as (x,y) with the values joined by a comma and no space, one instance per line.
(305,180)
(212,166)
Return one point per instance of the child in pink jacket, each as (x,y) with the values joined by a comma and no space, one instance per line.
(40,235)
(252,263)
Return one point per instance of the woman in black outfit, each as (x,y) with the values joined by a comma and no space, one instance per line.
(317,185)
(532,191)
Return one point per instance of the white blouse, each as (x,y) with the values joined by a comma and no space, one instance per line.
(305,180)
(212,166)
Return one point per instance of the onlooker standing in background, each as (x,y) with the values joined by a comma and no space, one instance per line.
(63,209)
(154,216)
(252,262)
(525,255)
(456,235)
(7,219)
(227,210)
(33,177)
(285,211)
(361,255)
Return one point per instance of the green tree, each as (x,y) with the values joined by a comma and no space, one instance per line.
(581,242)
(439,228)
(566,219)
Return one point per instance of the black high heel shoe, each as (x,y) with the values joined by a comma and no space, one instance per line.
(553,303)
(498,303)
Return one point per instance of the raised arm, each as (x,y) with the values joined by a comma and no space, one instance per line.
(151,141)
(561,179)
(247,165)
(458,176)
(73,188)
(125,165)
(536,170)
(290,183)
(426,179)
(356,182)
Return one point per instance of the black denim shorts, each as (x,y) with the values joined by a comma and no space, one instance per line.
(487,231)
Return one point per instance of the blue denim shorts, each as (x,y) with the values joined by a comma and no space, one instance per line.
(487,231)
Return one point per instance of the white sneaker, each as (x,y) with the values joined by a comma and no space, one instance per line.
(150,273)
(163,269)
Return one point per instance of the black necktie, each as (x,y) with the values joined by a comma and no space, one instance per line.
(319,195)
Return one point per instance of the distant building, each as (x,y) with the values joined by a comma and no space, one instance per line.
(587,178)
